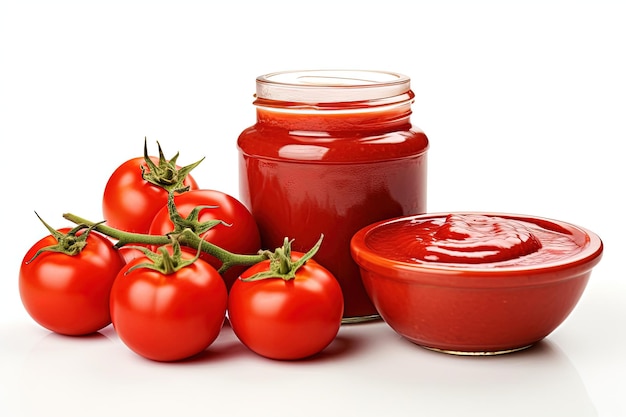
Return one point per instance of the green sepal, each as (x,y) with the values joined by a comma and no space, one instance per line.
(281,265)
(163,261)
(67,243)
(166,175)
(191,222)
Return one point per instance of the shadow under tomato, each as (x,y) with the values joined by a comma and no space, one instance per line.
(225,347)
(53,337)
(222,352)
(346,343)
(230,347)
(340,347)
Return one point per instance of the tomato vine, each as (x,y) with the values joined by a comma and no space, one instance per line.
(185,237)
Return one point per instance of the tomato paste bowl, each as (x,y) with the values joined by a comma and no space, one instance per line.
(475,283)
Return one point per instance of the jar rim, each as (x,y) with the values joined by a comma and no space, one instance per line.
(331,86)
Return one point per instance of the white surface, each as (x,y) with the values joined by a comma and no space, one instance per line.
(524,106)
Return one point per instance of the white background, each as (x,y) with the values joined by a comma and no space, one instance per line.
(524,104)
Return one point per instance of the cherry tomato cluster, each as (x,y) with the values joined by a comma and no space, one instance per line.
(169,264)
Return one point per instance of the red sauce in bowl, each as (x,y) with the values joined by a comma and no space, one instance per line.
(484,240)
(475,283)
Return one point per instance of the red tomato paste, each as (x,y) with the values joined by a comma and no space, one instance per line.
(490,241)
(330,154)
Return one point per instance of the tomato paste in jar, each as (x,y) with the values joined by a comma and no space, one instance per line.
(331,152)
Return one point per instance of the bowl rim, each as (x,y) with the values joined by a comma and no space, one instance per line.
(588,257)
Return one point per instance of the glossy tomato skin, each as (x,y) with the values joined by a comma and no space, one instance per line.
(168,317)
(70,294)
(239,235)
(129,202)
(287,320)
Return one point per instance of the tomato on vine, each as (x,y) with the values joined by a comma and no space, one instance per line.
(168,306)
(138,189)
(219,217)
(287,307)
(65,280)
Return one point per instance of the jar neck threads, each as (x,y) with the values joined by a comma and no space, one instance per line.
(334,100)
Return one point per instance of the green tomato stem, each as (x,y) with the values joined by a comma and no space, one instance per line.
(186,238)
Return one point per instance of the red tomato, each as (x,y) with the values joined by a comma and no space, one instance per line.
(70,294)
(286,319)
(168,317)
(129,252)
(129,202)
(239,235)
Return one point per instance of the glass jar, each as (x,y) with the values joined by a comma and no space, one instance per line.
(331,152)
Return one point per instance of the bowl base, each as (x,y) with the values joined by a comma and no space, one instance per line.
(476,353)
